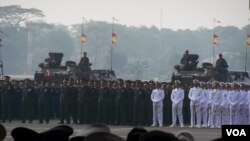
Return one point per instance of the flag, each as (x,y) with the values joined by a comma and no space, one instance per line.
(114,36)
(83,38)
(215,40)
(248,40)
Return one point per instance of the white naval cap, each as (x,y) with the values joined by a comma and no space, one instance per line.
(195,81)
(177,81)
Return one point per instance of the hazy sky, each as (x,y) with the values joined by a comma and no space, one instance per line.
(176,14)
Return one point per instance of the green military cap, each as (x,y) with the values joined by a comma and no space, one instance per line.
(138,81)
(151,81)
(128,81)
(7,77)
(26,79)
(119,79)
(158,82)
(164,83)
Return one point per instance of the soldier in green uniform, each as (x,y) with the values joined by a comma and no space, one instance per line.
(102,103)
(73,103)
(7,100)
(27,102)
(147,104)
(127,104)
(92,102)
(95,104)
(112,85)
(44,105)
(1,93)
(82,101)
(18,92)
(138,101)
(118,101)
(89,101)
(37,89)
(152,86)
(65,102)
(167,105)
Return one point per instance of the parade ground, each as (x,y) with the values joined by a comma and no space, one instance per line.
(200,134)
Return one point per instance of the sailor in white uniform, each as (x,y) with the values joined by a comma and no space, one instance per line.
(233,99)
(243,106)
(216,106)
(209,105)
(177,97)
(194,95)
(204,104)
(157,97)
(248,102)
(225,116)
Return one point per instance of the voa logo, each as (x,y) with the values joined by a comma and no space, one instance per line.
(236,132)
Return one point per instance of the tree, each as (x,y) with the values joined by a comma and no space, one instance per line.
(14,15)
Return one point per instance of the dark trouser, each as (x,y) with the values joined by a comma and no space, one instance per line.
(138,113)
(7,111)
(167,112)
(73,111)
(27,110)
(123,114)
(81,112)
(92,112)
(65,112)
(102,112)
(44,111)
(118,112)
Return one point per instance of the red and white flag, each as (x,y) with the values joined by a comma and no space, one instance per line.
(215,40)
(248,40)
(114,36)
(83,39)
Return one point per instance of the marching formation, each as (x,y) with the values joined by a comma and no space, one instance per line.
(126,102)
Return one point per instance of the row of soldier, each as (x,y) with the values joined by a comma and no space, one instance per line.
(213,104)
(111,102)
(121,102)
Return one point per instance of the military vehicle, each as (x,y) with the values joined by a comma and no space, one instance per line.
(52,70)
(186,73)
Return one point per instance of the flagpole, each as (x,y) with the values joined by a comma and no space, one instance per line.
(81,35)
(246,60)
(214,44)
(213,41)
(111,50)
(246,47)
(112,45)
